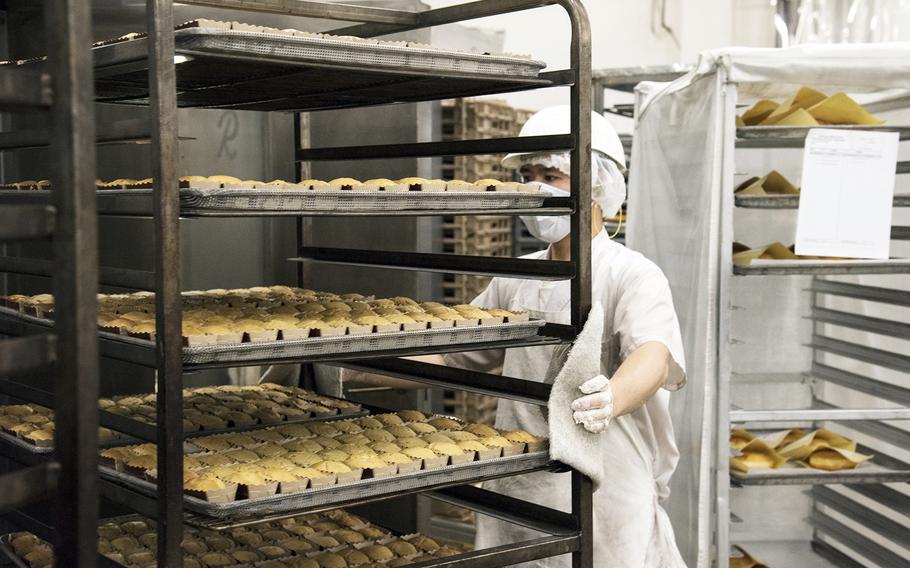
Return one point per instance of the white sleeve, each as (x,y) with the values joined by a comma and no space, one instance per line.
(645,312)
(489,361)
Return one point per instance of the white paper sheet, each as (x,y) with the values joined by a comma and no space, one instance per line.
(847,194)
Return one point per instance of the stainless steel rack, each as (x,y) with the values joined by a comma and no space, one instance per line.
(67,221)
(832,493)
(144,72)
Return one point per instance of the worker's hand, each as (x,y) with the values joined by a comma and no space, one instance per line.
(595,409)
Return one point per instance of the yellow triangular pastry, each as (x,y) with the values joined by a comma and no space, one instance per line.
(759,111)
(841,109)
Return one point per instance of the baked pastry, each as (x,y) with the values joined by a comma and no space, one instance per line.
(443,423)
(395,458)
(446,449)
(419,453)
(331,467)
(303,459)
(415,442)
(334,455)
(272,551)
(424,543)
(436,438)
(461,435)
(385,447)
(330,560)
(348,536)
(389,419)
(471,446)
(481,430)
(400,431)
(402,547)
(380,435)
(521,437)
(378,553)
(369,423)
(421,428)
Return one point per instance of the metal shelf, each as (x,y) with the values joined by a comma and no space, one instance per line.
(25,354)
(109,276)
(823,267)
(792,201)
(795,136)
(26,222)
(268,72)
(880,469)
(445,263)
(826,526)
(140,204)
(819,414)
(143,352)
(24,88)
(879,389)
(123,488)
(861,292)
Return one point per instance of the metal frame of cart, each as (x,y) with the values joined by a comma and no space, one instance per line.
(569,533)
(712,129)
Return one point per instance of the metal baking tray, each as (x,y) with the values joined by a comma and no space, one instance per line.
(318,346)
(784,267)
(792,474)
(127,440)
(792,201)
(795,136)
(341,494)
(199,201)
(268,71)
(10,554)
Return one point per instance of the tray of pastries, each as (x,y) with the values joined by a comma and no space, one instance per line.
(293,466)
(206,410)
(228,193)
(280,321)
(333,539)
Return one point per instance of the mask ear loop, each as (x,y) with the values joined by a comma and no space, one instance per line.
(618,226)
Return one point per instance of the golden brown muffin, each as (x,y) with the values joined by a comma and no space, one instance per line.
(446,449)
(331,467)
(295,431)
(328,443)
(348,427)
(378,435)
(406,443)
(385,447)
(401,431)
(412,415)
(334,455)
(421,428)
(373,533)
(303,459)
(461,435)
(303,446)
(481,430)
(520,437)
(443,423)
(419,453)
(364,462)
(437,438)
(272,551)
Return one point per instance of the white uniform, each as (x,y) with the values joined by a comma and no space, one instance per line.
(638,308)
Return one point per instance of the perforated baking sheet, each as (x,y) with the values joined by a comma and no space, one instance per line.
(268,71)
(317,346)
(345,492)
(193,199)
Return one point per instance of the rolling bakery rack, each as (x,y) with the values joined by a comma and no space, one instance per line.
(63,91)
(782,344)
(143,71)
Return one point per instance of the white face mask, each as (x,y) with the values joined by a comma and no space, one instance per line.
(549,228)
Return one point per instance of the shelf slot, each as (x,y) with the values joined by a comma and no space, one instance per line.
(903,167)
(313,9)
(131,131)
(442,376)
(900,233)
(24,88)
(855,541)
(795,136)
(861,292)
(792,201)
(863,323)
(139,430)
(879,357)
(886,433)
(29,485)
(448,148)
(884,495)
(26,222)
(524,513)
(870,519)
(813,415)
(824,267)
(446,263)
(20,355)
(118,277)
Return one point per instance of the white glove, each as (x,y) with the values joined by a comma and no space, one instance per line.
(595,410)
